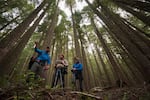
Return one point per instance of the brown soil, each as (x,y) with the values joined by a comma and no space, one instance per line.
(38,93)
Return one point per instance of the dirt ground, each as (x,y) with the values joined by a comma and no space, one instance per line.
(97,93)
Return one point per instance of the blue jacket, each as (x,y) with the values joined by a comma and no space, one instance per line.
(78,66)
(42,55)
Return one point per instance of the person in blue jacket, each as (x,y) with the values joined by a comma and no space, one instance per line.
(41,62)
(77,71)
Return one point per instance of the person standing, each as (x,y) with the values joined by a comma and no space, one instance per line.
(61,65)
(77,72)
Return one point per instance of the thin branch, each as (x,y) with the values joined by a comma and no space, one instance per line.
(86,94)
(10,98)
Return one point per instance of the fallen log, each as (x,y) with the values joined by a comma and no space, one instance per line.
(86,94)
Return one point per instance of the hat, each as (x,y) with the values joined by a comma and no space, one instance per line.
(61,55)
(76,58)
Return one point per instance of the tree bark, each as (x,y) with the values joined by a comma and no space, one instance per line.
(9,22)
(104,66)
(143,17)
(50,31)
(128,56)
(145,6)
(87,74)
(11,40)
(93,75)
(132,49)
(112,60)
(128,32)
(77,46)
(8,63)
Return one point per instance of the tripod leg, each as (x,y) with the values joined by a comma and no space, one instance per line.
(61,81)
(53,79)
(56,78)
(73,78)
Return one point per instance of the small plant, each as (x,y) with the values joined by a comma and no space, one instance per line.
(125,96)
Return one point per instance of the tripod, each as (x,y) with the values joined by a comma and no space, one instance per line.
(58,75)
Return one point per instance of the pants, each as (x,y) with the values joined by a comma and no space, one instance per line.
(78,76)
(58,75)
(38,70)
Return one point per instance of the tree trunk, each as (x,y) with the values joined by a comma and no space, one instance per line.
(86,73)
(100,78)
(129,57)
(77,46)
(104,66)
(145,37)
(112,60)
(132,49)
(128,32)
(143,17)
(93,75)
(51,69)
(145,6)
(9,22)
(50,31)
(8,63)
(11,40)
(102,83)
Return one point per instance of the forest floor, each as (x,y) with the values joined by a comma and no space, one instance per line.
(20,92)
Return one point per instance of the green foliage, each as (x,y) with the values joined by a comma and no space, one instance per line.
(70,3)
(10,9)
(78,17)
(27,90)
(125,97)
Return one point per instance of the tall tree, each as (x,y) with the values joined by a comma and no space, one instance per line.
(86,72)
(140,15)
(132,49)
(141,5)
(110,56)
(71,3)
(11,40)
(52,26)
(16,51)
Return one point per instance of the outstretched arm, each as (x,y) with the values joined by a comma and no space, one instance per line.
(36,49)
